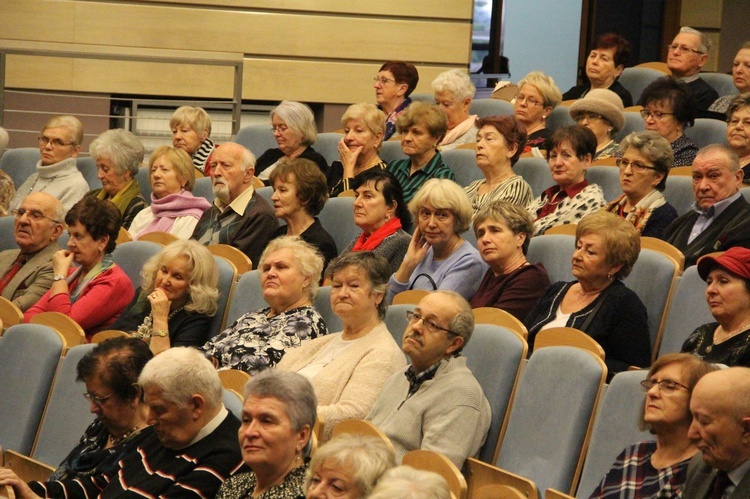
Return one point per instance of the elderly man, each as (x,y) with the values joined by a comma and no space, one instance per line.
(239,217)
(27,271)
(721,217)
(436,404)
(720,404)
(687,54)
(57,173)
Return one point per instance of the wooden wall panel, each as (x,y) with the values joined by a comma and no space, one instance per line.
(36,20)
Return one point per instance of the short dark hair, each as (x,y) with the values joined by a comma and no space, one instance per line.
(375,266)
(580,138)
(614,41)
(676,94)
(312,186)
(386,183)
(403,72)
(118,362)
(512,130)
(100,218)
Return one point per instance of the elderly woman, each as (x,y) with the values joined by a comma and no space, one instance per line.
(348,369)
(738,131)
(503,232)
(177,299)
(725,341)
(500,142)
(537,97)
(110,372)
(277,421)
(118,155)
(597,302)
(299,194)
(601,112)
(364,129)
(289,274)
(348,467)
(173,208)
(669,108)
(740,78)
(644,166)
(421,127)
(191,127)
(661,465)
(571,150)
(438,257)
(604,65)
(405,482)
(454,92)
(380,211)
(293,125)
(394,83)
(96,291)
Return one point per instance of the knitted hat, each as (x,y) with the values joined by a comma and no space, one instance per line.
(601,101)
(736,260)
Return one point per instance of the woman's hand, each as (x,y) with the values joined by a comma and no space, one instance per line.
(415,253)
(61,261)
(160,304)
(22,491)
(348,158)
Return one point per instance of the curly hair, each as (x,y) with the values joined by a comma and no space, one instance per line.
(100,218)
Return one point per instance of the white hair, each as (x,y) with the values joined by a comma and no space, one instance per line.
(182,372)
(704,44)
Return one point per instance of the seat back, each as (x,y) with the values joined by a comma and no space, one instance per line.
(144,182)
(490,107)
(606,177)
(29,355)
(240,260)
(559,118)
(555,251)
(567,336)
(435,462)
(688,310)
(87,167)
(679,193)
(633,123)
(535,171)
(707,131)
(158,237)
(410,296)
(664,247)
(635,80)
(203,188)
(396,321)
(499,317)
(551,416)
(721,82)
(227,277)
(131,256)
(337,217)
(10,314)
(246,297)
(464,165)
(67,413)
(266,193)
(233,402)
(328,146)
(322,304)
(67,327)
(256,138)
(7,241)
(391,151)
(108,334)
(234,379)
(362,428)
(20,163)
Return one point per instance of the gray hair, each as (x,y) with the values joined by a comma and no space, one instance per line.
(405,482)
(462,323)
(742,100)
(455,81)
(291,389)
(73,124)
(516,217)
(655,147)
(704,44)
(195,117)
(375,267)
(731,159)
(299,118)
(366,458)
(306,256)
(444,194)
(181,372)
(4,139)
(121,147)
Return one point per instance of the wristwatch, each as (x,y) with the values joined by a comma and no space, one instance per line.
(58,277)
(161,334)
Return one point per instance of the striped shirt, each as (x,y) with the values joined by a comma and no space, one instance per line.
(514,190)
(410,183)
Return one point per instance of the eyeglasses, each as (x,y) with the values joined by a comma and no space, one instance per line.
(637,166)
(657,115)
(588,117)
(683,49)
(429,325)
(279,128)
(56,143)
(528,100)
(665,385)
(383,80)
(96,400)
(34,215)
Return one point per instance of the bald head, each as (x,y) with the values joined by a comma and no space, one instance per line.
(39,222)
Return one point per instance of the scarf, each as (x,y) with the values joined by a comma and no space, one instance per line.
(459,130)
(639,215)
(167,209)
(123,198)
(82,281)
(369,243)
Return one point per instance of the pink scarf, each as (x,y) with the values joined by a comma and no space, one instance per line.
(167,209)
(459,130)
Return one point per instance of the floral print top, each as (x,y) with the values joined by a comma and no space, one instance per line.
(256,342)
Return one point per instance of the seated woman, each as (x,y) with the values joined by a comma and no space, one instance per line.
(118,155)
(740,78)
(110,372)
(597,302)
(537,97)
(364,128)
(299,193)
(669,108)
(348,467)
(601,112)
(500,141)
(348,369)
(604,65)
(394,83)
(97,291)
(421,127)
(293,125)
(173,208)
(438,257)
(644,167)
(571,150)
(454,92)
(289,274)
(177,299)
(191,127)
(658,468)
(380,211)
(277,421)
(503,232)
(738,131)
(728,295)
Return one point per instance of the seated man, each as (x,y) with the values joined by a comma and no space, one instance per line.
(721,216)
(436,404)
(239,217)
(57,173)
(687,54)
(27,272)
(721,427)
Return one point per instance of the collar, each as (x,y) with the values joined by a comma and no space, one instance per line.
(430,168)
(416,379)
(717,208)
(737,474)
(240,202)
(209,427)
(50,171)
(691,78)
(570,191)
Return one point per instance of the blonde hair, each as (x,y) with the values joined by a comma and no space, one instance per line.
(444,194)
(455,81)
(195,117)
(181,162)
(72,123)
(622,242)
(372,117)
(546,86)
(306,256)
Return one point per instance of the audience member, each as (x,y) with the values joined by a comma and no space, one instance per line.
(740,78)
(394,83)
(7,189)
(686,55)
(604,65)
(454,91)
(721,216)
(57,173)
(738,131)
(404,482)
(537,96)
(191,128)
(601,111)
(238,217)
(27,271)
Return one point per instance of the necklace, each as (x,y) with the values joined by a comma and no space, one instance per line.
(116,440)
(449,253)
(739,330)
